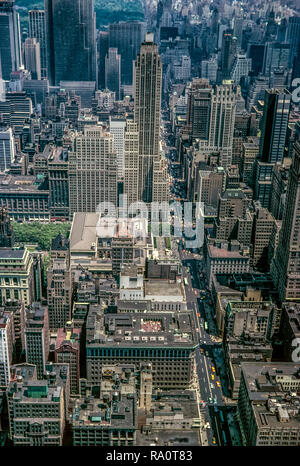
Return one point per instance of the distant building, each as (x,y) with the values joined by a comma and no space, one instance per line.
(32,55)
(71,44)
(113,72)
(10,39)
(37,30)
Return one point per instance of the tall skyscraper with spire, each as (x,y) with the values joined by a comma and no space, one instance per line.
(147,105)
(71,40)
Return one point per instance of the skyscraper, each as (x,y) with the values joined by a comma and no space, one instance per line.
(7,149)
(37,337)
(293,36)
(102,46)
(147,103)
(71,40)
(37,30)
(127,38)
(117,126)
(92,170)
(198,107)
(222,117)
(274,125)
(113,71)
(285,268)
(10,39)
(228,52)
(32,55)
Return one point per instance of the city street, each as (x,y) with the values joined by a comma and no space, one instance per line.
(199,300)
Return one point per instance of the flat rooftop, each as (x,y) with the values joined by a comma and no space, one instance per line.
(140,330)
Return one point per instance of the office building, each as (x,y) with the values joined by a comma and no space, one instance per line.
(113,72)
(67,351)
(292,37)
(147,75)
(263,225)
(274,125)
(276,56)
(59,287)
(268,404)
(10,39)
(117,129)
(111,419)
(102,49)
(32,56)
(131,162)
(37,337)
(7,149)
(228,52)
(7,238)
(165,340)
(16,275)
(199,107)
(209,69)
(36,408)
(127,38)
(290,328)
(58,176)
(71,40)
(7,340)
(37,30)
(285,267)
(222,117)
(92,170)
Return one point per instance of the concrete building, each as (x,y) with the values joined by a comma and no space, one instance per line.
(290,328)
(7,149)
(25,197)
(37,30)
(285,267)
(37,337)
(226,260)
(59,286)
(165,340)
(113,72)
(67,351)
(36,408)
(32,56)
(92,170)
(147,107)
(117,127)
(7,341)
(110,419)
(263,224)
(17,275)
(268,404)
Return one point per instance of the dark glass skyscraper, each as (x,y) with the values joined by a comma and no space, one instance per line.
(127,38)
(10,40)
(71,40)
(274,125)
